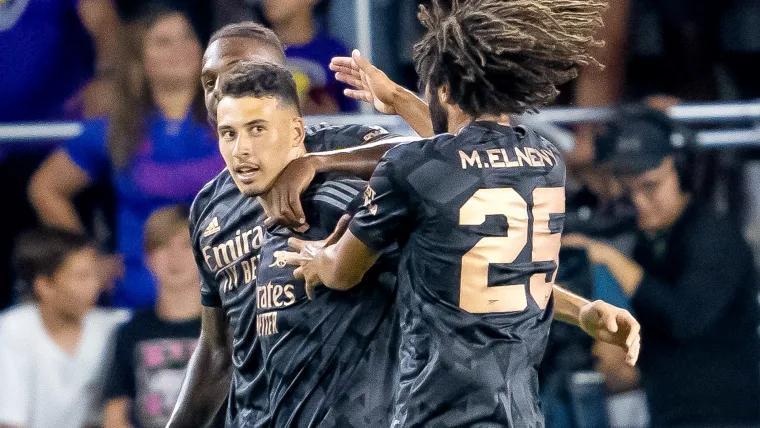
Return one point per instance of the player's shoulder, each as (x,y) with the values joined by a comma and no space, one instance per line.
(325,137)
(334,192)
(412,152)
(222,187)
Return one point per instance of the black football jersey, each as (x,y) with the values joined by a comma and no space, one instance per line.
(331,361)
(227,232)
(479,217)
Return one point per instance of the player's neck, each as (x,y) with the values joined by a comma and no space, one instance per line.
(459,121)
(178,305)
(298,30)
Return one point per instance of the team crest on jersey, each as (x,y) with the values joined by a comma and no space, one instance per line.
(369,196)
(10,12)
(376,130)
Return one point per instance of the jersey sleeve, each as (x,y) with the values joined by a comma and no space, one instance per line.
(324,137)
(15,374)
(121,376)
(209,293)
(329,201)
(387,209)
(89,151)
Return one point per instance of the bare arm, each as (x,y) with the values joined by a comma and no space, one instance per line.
(52,190)
(373,86)
(208,374)
(116,413)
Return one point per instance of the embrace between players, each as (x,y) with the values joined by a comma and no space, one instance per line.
(437,298)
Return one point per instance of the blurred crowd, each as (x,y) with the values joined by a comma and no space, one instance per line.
(98,276)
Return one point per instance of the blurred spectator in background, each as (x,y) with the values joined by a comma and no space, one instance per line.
(54,349)
(308,50)
(153,349)
(692,283)
(50,50)
(156,146)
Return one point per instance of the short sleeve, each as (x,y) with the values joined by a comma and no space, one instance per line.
(324,137)
(14,387)
(386,209)
(89,151)
(121,377)
(209,293)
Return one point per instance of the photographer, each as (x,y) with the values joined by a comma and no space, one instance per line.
(692,284)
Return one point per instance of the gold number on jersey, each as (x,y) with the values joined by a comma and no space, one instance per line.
(475,295)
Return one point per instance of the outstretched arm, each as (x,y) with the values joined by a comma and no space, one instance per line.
(373,86)
(208,375)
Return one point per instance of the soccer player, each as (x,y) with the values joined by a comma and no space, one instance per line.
(478,213)
(227,230)
(330,361)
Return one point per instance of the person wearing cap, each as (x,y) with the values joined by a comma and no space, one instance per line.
(692,283)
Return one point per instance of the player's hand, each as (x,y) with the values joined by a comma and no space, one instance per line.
(614,325)
(286,194)
(369,83)
(310,252)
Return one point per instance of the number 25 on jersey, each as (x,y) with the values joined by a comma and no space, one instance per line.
(475,295)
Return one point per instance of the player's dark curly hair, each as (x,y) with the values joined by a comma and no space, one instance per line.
(505,56)
(260,79)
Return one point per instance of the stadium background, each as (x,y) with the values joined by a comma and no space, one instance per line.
(697,60)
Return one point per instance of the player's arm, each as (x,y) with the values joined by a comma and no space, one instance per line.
(373,86)
(340,267)
(360,161)
(600,320)
(208,374)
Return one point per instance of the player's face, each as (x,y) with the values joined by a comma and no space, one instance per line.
(172,52)
(224,54)
(658,197)
(73,290)
(258,137)
(174,265)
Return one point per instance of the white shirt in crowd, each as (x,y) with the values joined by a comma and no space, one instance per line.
(41,386)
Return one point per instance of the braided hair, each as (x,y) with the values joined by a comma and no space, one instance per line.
(505,56)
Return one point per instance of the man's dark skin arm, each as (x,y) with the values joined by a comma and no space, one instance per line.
(296,177)
(208,374)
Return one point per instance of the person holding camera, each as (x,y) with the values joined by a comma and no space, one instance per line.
(692,283)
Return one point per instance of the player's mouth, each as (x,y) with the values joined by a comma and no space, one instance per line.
(246,173)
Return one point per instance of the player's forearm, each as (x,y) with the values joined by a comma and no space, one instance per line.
(343,265)
(567,306)
(359,161)
(206,385)
(414,111)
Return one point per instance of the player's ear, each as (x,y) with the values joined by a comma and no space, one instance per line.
(443,94)
(299,133)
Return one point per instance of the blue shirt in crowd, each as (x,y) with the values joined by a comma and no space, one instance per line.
(174,162)
(46,56)
(309,64)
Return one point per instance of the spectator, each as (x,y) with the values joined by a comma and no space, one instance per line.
(156,147)
(692,283)
(153,349)
(53,351)
(308,55)
(47,56)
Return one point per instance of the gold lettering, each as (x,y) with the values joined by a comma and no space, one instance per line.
(237,243)
(510,164)
(258,238)
(246,247)
(276,293)
(254,266)
(289,294)
(470,160)
(246,265)
(547,156)
(493,157)
(266,324)
(522,158)
(223,257)
(533,153)
(207,257)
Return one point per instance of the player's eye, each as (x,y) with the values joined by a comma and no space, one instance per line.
(256,130)
(209,84)
(228,135)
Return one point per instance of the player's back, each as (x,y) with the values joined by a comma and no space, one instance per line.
(331,361)
(484,212)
